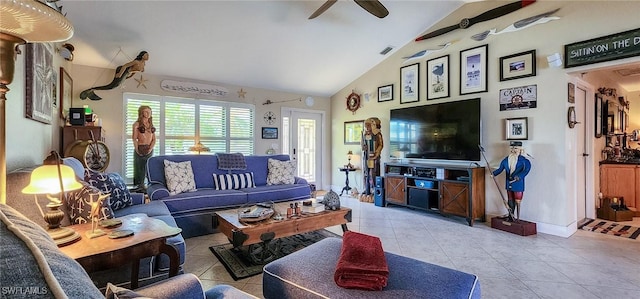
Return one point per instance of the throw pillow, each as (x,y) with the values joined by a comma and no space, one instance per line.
(179,176)
(110,183)
(281,172)
(233,181)
(79,204)
(231,161)
(116,292)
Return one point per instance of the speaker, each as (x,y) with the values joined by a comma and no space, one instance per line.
(378,193)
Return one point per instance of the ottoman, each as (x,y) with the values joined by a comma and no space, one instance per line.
(308,273)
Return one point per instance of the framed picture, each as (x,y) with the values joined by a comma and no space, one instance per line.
(269,133)
(516,66)
(353,131)
(66,92)
(571,92)
(473,70)
(385,93)
(598,116)
(409,78)
(40,81)
(438,78)
(517,128)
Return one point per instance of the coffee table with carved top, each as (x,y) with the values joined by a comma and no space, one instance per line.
(148,239)
(258,236)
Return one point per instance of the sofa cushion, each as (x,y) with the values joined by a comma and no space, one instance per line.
(281,172)
(277,193)
(36,264)
(228,161)
(79,204)
(233,181)
(179,177)
(111,183)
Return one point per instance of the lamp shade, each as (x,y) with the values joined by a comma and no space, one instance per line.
(199,147)
(33,21)
(44,180)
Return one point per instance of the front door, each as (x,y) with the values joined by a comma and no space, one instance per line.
(303,142)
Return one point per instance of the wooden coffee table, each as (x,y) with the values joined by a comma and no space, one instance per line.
(258,236)
(149,239)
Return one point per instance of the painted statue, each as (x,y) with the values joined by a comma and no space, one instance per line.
(123,72)
(372,144)
(516,167)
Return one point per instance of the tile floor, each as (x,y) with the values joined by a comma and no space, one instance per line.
(585,265)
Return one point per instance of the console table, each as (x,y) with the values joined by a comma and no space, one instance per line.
(449,190)
(346,171)
(149,239)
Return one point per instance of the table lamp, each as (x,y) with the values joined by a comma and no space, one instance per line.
(199,147)
(23,21)
(54,179)
(349,155)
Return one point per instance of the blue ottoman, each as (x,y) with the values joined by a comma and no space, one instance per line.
(308,273)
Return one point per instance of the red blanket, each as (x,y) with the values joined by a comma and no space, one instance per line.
(362,264)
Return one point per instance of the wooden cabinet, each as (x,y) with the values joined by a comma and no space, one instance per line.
(71,134)
(622,180)
(457,191)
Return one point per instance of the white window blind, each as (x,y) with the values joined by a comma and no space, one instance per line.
(180,122)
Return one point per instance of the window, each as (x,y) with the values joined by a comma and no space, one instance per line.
(181,122)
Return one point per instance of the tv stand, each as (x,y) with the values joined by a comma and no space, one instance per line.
(448,190)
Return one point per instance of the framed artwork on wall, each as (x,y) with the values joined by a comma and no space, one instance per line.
(353,131)
(598,117)
(269,133)
(517,128)
(473,70)
(385,93)
(438,78)
(66,92)
(516,66)
(409,78)
(40,82)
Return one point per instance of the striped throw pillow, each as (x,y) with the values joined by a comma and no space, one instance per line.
(233,181)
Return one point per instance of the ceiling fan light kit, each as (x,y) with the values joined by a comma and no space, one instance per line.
(485,16)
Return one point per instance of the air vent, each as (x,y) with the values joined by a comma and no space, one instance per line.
(386,50)
(634,71)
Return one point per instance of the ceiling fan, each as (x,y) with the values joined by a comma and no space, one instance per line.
(485,16)
(374,7)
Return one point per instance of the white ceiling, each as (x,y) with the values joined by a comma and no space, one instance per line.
(262,44)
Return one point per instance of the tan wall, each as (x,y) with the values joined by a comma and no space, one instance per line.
(550,198)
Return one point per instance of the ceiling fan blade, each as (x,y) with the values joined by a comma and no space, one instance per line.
(488,15)
(322,8)
(373,7)
(499,11)
(440,31)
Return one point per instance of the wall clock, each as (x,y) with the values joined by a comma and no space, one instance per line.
(353,102)
(269,118)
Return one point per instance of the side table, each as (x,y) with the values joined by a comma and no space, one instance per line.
(346,171)
(149,239)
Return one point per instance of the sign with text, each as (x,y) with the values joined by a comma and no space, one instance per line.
(605,48)
(523,97)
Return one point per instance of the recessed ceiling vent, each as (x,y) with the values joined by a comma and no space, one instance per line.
(626,72)
(386,50)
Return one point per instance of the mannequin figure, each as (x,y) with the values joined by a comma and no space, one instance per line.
(516,167)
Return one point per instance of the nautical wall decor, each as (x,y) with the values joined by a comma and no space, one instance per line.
(605,48)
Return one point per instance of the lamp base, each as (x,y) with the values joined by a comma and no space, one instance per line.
(95,233)
(63,236)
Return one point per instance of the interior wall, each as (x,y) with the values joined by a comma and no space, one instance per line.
(549,198)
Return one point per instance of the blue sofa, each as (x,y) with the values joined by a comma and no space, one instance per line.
(193,210)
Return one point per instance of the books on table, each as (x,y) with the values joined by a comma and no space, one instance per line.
(313,208)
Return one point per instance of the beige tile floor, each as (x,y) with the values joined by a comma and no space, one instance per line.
(585,265)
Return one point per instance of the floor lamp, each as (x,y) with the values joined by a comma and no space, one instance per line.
(23,21)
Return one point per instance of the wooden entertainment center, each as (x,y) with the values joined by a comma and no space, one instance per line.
(449,190)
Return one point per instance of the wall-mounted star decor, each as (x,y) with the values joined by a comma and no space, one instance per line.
(141,82)
(241,93)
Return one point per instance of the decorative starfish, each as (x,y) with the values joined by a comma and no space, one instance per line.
(141,81)
(424,53)
(241,93)
(519,25)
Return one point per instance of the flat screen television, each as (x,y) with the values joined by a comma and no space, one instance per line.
(445,131)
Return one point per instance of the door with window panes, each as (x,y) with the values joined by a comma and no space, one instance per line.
(302,141)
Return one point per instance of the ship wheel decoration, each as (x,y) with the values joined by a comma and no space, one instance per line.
(353,102)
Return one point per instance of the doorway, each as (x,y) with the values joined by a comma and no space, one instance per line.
(302,141)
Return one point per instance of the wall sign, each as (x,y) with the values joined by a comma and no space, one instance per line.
(194,88)
(523,97)
(605,48)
